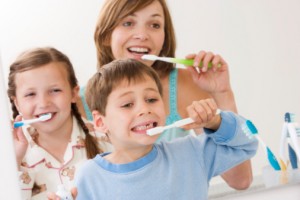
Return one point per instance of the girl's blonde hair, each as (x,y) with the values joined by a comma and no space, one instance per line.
(38,57)
(113,11)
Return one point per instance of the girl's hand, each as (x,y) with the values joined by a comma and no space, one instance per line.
(20,142)
(53,196)
(203,113)
(212,80)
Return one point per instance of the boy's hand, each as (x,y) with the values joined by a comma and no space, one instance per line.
(20,142)
(203,112)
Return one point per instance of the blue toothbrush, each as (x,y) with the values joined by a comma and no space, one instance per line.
(30,121)
(250,130)
(292,134)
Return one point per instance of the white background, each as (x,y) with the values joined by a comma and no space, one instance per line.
(260,39)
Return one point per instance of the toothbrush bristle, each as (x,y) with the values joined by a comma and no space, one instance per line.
(154,131)
(45,117)
(249,129)
(149,57)
(289,117)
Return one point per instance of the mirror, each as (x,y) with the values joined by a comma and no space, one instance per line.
(258,39)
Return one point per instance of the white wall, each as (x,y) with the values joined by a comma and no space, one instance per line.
(260,40)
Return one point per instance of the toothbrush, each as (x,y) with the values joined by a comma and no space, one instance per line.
(292,133)
(42,118)
(250,130)
(180,123)
(159,129)
(188,62)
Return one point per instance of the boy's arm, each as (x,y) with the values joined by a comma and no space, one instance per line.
(227,147)
(239,177)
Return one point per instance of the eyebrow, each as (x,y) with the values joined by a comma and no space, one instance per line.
(153,15)
(147,89)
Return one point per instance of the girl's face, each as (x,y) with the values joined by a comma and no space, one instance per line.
(45,89)
(140,33)
(131,110)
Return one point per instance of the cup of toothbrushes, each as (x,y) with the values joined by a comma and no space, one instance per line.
(273,178)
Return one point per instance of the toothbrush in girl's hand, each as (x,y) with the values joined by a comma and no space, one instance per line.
(250,130)
(187,62)
(180,123)
(41,118)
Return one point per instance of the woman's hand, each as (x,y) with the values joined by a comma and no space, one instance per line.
(214,79)
(20,142)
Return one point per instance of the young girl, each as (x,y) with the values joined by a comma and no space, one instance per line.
(130,29)
(49,153)
(125,97)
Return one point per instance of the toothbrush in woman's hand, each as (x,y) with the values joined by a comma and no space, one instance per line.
(187,62)
(41,118)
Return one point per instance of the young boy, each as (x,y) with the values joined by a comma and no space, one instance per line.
(125,97)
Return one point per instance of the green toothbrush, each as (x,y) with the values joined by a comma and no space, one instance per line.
(188,62)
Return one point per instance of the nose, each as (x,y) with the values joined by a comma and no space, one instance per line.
(144,109)
(44,100)
(141,34)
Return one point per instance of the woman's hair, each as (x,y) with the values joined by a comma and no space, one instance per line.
(111,75)
(38,57)
(113,11)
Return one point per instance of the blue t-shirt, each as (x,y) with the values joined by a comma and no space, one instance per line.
(180,169)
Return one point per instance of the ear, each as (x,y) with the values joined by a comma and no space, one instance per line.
(15,102)
(99,122)
(75,92)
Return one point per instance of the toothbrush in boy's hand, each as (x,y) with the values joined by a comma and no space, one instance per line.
(187,62)
(180,123)
(160,129)
(41,118)
(250,130)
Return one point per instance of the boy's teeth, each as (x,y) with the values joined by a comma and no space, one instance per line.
(144,127)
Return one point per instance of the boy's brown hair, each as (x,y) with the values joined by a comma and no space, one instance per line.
(111,75)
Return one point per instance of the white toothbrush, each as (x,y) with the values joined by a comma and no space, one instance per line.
(30,121)
(180,123)
(159,129)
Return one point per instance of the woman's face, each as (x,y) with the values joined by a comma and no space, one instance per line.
(140,33)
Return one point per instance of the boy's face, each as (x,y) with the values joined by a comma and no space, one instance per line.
(131,110)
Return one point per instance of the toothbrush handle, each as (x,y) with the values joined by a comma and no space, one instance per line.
(18,124)
(294,139)
(190,62)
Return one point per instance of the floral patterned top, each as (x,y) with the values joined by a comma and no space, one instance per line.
(42,173)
